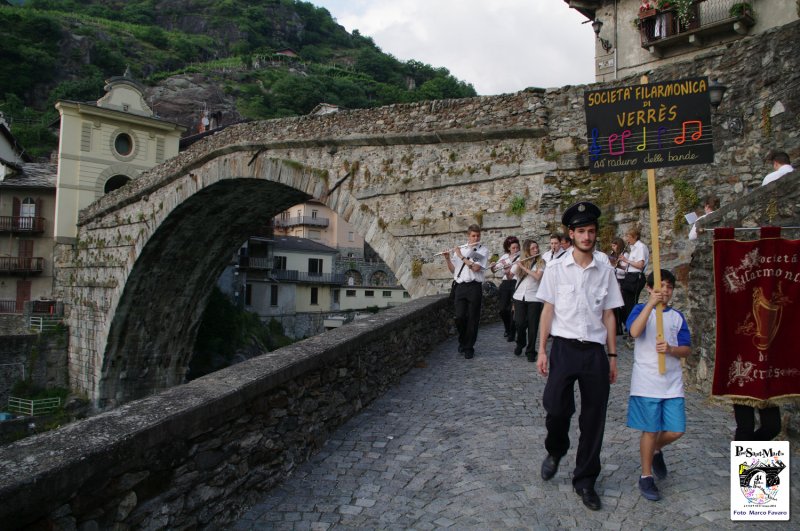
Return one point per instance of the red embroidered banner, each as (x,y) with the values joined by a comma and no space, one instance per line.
(758,312)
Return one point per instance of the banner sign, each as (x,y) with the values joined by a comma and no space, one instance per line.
(649,126)
(758,309)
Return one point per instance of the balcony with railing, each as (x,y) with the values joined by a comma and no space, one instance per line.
(21,265)
(291,275)
(23,224)
(301,220)
(256,262)
(661,29)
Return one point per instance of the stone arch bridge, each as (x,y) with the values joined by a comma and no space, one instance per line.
(410,178)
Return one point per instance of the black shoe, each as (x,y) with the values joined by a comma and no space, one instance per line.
(461,350)
(530,357)
(589,497)
(469,353)
(549,467)
(505,334)
(510,338)
(518,350)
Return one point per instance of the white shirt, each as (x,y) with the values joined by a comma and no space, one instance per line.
(549,255)
(638,252)
(527,286)
(505,260)
(602,257)
(645,378)
(777,174)
(478,254)
(693,231)
(579,297)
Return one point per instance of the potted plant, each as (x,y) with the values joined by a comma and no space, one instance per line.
(742,9)
(647,9)
(682,8)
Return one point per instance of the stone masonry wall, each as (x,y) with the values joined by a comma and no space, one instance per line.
(194,455)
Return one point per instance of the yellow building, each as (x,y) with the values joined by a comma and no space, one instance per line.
(105,144)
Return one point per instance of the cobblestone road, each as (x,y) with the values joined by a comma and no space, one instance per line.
(458,445)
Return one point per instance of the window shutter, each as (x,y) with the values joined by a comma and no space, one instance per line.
(15,207)
(86,136)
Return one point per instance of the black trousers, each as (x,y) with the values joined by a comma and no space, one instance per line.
(469,296)
(769,418)
(630,298)
(618,314)
(588,365)
(505,294)
(526,315)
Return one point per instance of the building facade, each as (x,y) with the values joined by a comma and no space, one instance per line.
(105,144)
(635,36)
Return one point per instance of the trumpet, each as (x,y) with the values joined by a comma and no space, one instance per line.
(468,245)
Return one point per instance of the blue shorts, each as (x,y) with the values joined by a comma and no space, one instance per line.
(656,414)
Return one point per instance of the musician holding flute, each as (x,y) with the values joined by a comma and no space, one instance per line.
(467,263)
(505,292)
(527,307)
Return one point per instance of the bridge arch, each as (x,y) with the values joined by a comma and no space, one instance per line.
(408,178)
(146,260)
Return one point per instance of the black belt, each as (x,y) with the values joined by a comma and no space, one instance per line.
(470,282)
(577,343)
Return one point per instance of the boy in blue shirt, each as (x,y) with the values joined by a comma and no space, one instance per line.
(656,404)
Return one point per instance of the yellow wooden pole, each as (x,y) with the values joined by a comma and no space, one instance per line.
(655,256)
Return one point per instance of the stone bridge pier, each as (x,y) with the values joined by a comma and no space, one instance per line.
(136,281)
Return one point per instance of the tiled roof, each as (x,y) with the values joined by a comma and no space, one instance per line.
(291,243)
(33,175)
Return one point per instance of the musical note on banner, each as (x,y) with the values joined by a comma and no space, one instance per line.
(695,136)
(643,145)
(613,138)
(661,131)
(595,149)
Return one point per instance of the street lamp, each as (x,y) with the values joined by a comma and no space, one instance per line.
(716,91)
(597,25)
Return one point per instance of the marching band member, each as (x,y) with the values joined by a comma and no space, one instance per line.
(507,285)
(527,308)
(467,263)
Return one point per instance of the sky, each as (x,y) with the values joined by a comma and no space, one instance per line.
(499,46)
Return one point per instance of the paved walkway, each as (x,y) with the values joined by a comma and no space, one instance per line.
(458,445)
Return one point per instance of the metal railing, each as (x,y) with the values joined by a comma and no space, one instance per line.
(302,220)
(43,324)
(31,408)
(291,275)
(256,262)
(7,306)
(664,24)
(21,224)
(21,264)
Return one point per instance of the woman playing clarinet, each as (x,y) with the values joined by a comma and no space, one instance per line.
(527,308)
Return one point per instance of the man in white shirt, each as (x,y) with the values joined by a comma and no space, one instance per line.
(579,294)
(468,263)
(780,163)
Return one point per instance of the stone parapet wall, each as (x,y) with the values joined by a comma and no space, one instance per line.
(777,204)
(194,455)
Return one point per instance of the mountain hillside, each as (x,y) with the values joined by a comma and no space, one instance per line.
(234,59)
